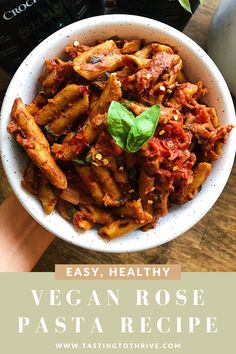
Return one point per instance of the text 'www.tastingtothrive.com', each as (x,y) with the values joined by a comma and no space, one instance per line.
(114,346)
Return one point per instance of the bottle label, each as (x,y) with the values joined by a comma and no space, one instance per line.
(25,23)
(11,13)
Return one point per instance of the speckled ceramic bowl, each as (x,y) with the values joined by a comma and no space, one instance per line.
(198,67)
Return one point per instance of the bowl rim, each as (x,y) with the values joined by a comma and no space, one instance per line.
(136,20)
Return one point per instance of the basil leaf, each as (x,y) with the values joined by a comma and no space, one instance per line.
(48,131)
(143,128)
(186,5)
(131,133)
(79,161)
(120,121)
(71,212)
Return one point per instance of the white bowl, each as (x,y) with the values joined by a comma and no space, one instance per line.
(198,66)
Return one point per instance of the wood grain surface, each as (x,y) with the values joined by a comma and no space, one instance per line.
(208,246)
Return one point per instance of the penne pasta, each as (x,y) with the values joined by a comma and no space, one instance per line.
(135,63)
(47,197)
(108,64)
(96,215)
(31,178)
(111,92)
(58,104)
(122,226)
(132,209)
(98,60)
(119,172)
(69,117)
(105,179)
(39,101)
(75,195)
(31,138)
(132,46)
(200,174)
(80,222)
(145,52)
(103,48)
(57,74)
(87,176)
(157,48)
(75,49)
(129,131)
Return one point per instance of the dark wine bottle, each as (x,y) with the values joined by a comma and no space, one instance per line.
(167,11)
(25,23)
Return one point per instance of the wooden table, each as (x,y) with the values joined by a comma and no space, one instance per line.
(208,246)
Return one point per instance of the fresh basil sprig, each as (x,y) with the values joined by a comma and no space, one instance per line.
(128,131)
(186,4)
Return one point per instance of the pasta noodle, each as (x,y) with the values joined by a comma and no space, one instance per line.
(76,165)
(31,138)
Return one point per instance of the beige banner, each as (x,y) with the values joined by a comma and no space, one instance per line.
(194,315)
(117,271)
